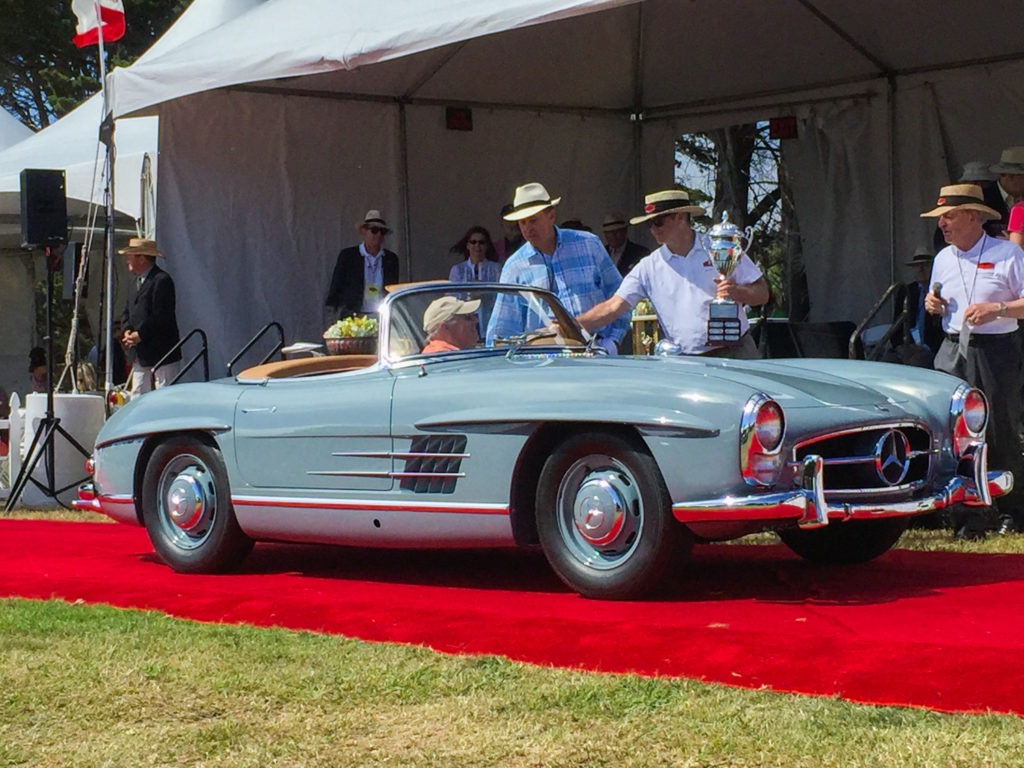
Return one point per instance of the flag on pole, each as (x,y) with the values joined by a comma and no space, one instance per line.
(95,16)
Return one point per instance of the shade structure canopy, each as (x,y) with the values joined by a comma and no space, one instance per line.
(283,121)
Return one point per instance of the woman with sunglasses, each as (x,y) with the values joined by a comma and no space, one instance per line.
(480,265)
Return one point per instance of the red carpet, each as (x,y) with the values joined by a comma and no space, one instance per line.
(937,630)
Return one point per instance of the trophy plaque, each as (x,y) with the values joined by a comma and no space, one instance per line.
(726,244)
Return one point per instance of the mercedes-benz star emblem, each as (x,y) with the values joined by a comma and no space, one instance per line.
(892,457)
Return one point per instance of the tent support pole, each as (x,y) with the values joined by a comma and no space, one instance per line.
(403,150)
(893,160)
(637,115)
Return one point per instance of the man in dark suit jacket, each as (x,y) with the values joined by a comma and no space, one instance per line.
(924,330)
(149,326)
(624,252)
(362,271)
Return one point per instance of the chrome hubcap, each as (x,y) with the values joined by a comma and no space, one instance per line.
(187,499)
(185,502)
(600,511)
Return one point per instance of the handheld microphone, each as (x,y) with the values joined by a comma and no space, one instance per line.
(937,290)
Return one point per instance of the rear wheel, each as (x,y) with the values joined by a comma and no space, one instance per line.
(186,505)
(855,541)
(604,518)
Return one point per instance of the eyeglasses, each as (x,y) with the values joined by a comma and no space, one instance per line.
(477,242)
(377,230)
(658,221)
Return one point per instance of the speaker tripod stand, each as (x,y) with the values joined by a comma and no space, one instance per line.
(43,446)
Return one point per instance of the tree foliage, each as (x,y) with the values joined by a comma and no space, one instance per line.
(43,76)
(744,175)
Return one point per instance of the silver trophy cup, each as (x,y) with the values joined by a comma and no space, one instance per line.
(726,243)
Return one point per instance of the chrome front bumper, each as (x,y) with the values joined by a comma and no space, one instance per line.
(120,508)
(807,507)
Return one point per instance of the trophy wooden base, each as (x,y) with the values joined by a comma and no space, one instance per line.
(724,323)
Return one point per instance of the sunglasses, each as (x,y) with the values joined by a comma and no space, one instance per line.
(477,242)
(659,220)
(377,230)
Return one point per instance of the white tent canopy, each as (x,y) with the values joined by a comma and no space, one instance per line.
(12,130)
(284,120)
(72,144)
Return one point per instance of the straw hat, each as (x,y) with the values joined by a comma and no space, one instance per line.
(530,199)
(440,311)
(375,218)
(668,201)
(142,247)
(1011,161)
(968,196)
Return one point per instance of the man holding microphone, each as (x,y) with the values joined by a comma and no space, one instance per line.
(977,288)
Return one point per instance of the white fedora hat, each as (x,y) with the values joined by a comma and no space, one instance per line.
(530,199)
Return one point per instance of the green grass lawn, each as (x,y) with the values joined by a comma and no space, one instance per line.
(93,686)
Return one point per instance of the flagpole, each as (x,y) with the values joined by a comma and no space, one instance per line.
(106,133)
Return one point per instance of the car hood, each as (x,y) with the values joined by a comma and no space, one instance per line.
(795,383)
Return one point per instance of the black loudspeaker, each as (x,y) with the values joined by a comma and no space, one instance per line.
(44,208)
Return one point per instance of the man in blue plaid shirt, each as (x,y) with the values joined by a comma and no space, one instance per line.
(572,264)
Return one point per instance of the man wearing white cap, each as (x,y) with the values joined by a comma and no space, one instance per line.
(980,285)
(681,281)
(572,264)
(362,271)
(451,324)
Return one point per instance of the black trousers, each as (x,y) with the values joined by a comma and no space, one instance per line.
(993,365)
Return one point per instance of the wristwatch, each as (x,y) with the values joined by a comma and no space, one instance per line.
(1002,309)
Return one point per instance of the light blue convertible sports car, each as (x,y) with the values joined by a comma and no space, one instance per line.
(613,466)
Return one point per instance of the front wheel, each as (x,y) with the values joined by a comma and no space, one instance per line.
(186,505)
(604,518)
(855,541)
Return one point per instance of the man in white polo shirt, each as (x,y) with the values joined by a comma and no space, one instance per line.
(681,281)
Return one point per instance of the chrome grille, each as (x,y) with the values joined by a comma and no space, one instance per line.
(883,458)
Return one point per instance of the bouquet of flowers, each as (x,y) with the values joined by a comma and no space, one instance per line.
(354,327)
(356,335)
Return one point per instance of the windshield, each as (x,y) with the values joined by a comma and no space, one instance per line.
(453,317)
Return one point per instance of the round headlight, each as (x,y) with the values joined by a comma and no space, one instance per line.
(769,425)
(762,430)
(975,412)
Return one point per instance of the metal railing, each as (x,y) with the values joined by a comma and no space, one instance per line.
(901,325)
(202,353)
(252,342)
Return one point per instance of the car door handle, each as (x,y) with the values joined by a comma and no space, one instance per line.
(271,409)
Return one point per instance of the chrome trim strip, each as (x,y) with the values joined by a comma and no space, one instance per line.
(871,459)
(143,435)
(398,475)
(346,473)
(807,507)
(371,505)
(396,455)
(862,428)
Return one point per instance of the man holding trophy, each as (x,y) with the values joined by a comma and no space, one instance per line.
(697,294)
